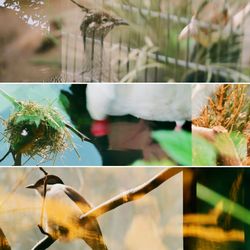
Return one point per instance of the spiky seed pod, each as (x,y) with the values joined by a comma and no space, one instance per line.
(229,108)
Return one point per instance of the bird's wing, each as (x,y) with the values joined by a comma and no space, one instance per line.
(78,199)
(94,236)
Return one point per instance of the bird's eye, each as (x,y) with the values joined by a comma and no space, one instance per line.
(105,19)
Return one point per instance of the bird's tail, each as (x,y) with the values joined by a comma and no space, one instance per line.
(99,244)
(96,243)
(101,247)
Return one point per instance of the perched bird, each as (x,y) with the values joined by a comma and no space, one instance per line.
(95,26)
(154,102)
(63,207)
(99,24)
(214,21)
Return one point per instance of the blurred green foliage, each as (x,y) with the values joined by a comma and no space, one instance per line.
(176,144)
(204,153)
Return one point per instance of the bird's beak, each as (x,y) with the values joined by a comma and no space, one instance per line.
(32,186)
(121,22)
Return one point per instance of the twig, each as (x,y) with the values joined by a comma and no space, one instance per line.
(40,226)
(43,170)
(4,157)
(77,132)
(80,6)
(132,194)
(44,243)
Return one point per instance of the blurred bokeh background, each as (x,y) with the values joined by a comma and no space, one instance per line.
(42,41)
(153,222)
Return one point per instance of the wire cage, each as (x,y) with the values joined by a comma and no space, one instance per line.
(165,40)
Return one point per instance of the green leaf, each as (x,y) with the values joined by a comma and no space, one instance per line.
(204,153)
(178,145)
(16,104)
(240,143)
(28,118)
(64,101)
(53,123)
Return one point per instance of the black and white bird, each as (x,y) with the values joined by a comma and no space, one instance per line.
(153,102)
(62,209)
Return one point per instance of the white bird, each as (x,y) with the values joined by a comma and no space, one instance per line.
(155,102)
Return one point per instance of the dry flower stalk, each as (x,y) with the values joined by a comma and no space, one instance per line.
(229,108)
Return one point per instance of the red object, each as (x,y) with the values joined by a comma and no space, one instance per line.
(99,128)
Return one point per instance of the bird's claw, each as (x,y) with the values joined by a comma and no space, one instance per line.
(42,230)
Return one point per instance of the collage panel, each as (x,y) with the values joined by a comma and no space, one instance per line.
(221,125)
(124,41)
(141,208)
(139,220)
(95,124)
(216,208)
(124,124)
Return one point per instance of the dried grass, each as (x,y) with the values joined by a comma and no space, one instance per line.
(36,130)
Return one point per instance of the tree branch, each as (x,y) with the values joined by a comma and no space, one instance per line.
(132,194)
(44,243)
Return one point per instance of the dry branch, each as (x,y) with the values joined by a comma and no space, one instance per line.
(132,194)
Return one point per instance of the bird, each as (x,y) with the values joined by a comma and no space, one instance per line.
(63,206)
(213,21)
(152,102)
(95,26)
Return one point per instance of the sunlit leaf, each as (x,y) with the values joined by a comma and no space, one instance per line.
(204,153)
(28,118)
(240,142)
(178,145)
